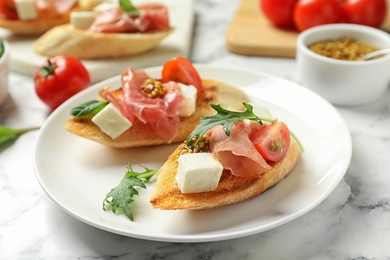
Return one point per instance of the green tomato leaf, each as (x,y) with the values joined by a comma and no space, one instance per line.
(48,69)
(121,197)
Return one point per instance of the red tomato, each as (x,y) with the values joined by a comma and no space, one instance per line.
(272,141)
(181,70)
(310,13)
(279,12)
(8,9)
(59,78)
(366,12)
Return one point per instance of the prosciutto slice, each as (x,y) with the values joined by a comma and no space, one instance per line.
(153,17)
(237,152)
(161,114)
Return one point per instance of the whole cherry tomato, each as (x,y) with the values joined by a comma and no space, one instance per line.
(181,70)
(310,13)
(366,12)
(59,78)
(272,141)
(8,9)
(279,12)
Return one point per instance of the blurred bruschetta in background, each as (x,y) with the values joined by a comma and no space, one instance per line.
(35,17)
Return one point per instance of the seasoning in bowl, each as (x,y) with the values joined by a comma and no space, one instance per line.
(344,48)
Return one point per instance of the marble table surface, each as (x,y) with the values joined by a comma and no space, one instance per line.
(352,223)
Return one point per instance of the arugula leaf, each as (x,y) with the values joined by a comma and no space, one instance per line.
(88,109)
(8,135)
(1,47)
(121,197)
(128,8)
(226,118)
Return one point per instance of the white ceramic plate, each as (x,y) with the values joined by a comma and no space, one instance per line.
(77,173)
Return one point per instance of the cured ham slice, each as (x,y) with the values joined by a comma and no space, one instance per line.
(237,152)
(153,17)
(161,114)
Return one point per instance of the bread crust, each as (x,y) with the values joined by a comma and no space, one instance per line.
(34,27)
(141,134)
(231,189)
(86,44)
(42,24)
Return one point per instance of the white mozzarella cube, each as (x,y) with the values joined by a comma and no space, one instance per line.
(190,95)
(26,9)
(82,19)
(111,121)
(198,172)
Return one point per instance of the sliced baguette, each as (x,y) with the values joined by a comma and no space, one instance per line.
(167,196)
(85,44)
(141,134)
(43,23)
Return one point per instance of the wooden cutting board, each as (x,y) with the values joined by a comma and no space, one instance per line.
(250,33)
(24,60)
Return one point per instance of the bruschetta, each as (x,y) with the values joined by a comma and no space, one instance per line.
(145,111)
(109,32)
(35,17)
(230,157)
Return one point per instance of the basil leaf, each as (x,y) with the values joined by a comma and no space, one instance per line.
(1,48)
(8,135)
(89,108)
(128,7)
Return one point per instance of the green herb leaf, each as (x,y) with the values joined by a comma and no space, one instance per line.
(89,108)
(128,8)
(1,47)
(8,136)
(121,197)
(226,118)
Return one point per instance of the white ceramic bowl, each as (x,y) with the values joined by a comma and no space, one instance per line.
(4,72)
(344,82)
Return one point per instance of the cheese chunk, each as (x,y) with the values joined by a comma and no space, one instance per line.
(198,172)
(82,19)
(190,95)
(111,121)
(26,9)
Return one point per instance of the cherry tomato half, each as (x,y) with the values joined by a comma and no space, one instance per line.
(310,13)
(8,9)
(181,70)
(272,141)
(59,78)
(279,12)
(366,12)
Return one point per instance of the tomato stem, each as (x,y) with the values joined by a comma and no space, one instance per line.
(48,69)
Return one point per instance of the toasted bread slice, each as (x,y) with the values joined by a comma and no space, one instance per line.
(85,44)
(43,23)
(231,189)
(141,134)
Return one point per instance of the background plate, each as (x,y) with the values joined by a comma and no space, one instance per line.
(77,173)
(24,60)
